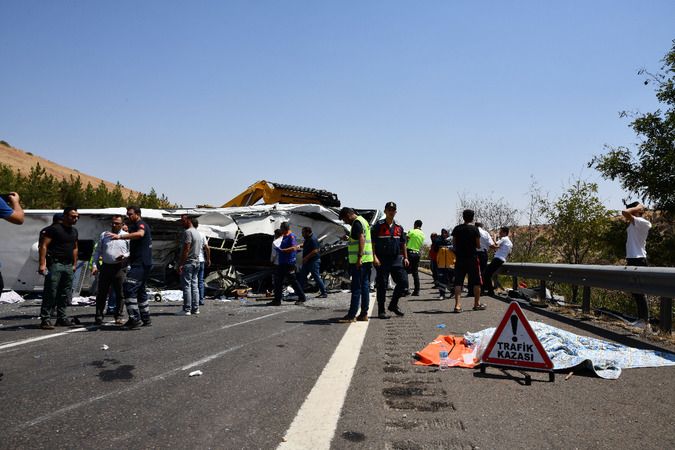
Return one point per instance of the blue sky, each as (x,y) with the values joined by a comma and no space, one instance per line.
(415,102)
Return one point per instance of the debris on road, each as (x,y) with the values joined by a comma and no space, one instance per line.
(196,373)
(104,347)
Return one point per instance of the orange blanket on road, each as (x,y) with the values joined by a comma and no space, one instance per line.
(456,347)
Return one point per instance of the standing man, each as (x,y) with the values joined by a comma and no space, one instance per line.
(140,265)
(414,244)
(204,260)
(11,211)
(188,266)
(432,260)
(486,243)
(445,262)
(113,255)
(503,249)
(465,241)
(636,253)
(390,256)
(287,266)
(311,261)
(360,254)
(58,257)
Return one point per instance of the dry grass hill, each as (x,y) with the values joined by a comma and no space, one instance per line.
(24,161)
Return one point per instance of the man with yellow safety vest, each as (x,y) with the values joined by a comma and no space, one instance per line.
(415,241)
(360,253)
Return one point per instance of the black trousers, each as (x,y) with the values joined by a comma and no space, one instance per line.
(640,299)
(482,262)
(413,269)
(492,269)
(110,275)
(286,272)
(400,278)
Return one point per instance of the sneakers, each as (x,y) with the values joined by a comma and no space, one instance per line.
(195,312)
(441,296)
(322,296)
(396,311)
(382,315)
(184,313)
(346,319)
(147,323)
(46,324)
(362,318)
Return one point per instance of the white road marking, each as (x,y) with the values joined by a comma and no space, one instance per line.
(161,376)
(75,330)
(40,338)
(316,421)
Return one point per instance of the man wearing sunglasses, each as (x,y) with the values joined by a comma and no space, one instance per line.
(110,260)
(58,258)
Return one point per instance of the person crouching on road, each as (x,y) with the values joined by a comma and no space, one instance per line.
(360,254)
(287,266)
(113,255)
(188,266)
(389,257)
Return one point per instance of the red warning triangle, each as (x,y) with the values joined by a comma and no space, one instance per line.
(515,344)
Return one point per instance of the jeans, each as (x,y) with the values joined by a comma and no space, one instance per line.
(360,288)
(312,267)
(200,282)
(640,299)
(483,263)
(190,283)
(135,295)
(58,290)
(444,279)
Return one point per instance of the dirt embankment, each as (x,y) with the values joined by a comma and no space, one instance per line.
(21,160)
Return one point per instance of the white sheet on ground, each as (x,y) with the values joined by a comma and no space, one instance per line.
(568,350)
(10,297)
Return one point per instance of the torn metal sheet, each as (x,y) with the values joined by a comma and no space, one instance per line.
(240,238)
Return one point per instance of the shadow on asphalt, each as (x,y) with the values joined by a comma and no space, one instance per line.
(315,321)
(620,338)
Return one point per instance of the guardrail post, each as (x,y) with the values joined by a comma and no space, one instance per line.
(586,301)
(514,283)
(666,319)
(542,290)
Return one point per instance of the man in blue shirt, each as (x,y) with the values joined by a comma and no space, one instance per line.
(11,211)
(286,268)
(311,261)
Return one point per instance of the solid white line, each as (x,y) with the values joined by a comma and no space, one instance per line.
(316,421)
(135,386)
(40,338)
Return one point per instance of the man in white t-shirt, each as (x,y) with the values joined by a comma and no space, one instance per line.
(503,248)
(636,253)
(486,243)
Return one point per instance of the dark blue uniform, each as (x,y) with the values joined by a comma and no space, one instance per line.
(388,242)
(140,264)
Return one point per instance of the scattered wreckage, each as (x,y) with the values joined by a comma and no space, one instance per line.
(239,237)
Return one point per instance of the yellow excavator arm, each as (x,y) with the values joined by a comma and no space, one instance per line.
(282,193)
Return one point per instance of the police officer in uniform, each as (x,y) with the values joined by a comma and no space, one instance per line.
(140,264)
(360,253)
(390,257)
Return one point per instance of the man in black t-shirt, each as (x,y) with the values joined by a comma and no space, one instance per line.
(140,264)
(58,258)
(465,241)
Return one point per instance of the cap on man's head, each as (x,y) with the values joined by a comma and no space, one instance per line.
(390,205)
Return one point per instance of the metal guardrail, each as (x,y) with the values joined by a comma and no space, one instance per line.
(658,281)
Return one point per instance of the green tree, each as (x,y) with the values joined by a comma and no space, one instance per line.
(577,218)
(650,174)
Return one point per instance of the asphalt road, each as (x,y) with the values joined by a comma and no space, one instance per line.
(259,364)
